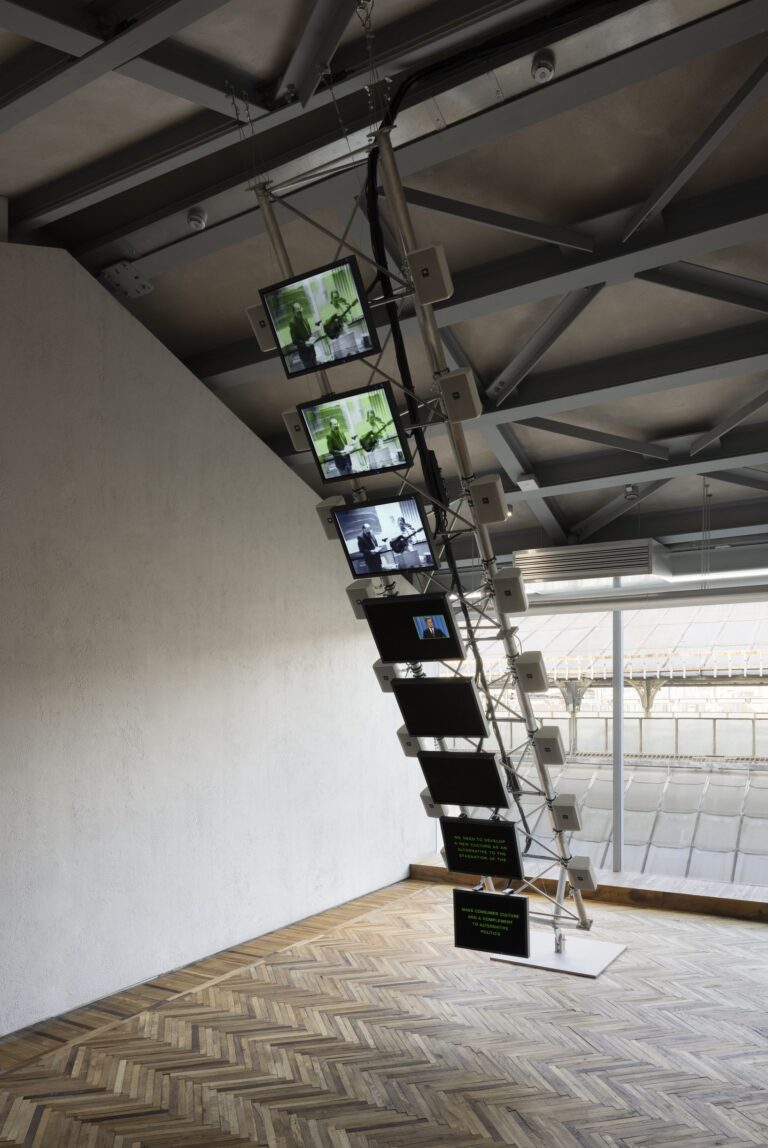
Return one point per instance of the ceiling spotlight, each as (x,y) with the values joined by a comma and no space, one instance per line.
(543,66)
(197,219)
(631,492)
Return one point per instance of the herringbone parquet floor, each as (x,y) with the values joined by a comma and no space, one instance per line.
(378,1033)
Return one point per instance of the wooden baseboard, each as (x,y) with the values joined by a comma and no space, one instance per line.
(747,903)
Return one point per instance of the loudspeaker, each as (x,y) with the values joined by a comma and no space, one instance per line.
(324,514)
(409,744)
(261,328)
(531,672)
(460,395)
(384,672)
(431,807)
(431,275)
(357,592)
(489,500)
(444,856)
(509,590)
(549,745)
(566,812)
(295,428)
(581,874)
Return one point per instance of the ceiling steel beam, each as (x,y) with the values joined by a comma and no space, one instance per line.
(574,475)
(57,24)
(719,128)
(571,430)
(712,284)
(614,509)
(587,82)
(719,219)
(400,45)
(516,464)
(754,479)
(171,67)
(705,358)
(191,75)
(729,423)
(501,220)
(316,48)
(17,106)
(557,322)
(728,520)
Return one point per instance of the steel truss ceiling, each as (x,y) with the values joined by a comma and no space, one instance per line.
(659,240)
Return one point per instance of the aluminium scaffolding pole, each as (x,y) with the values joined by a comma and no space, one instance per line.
(398,205)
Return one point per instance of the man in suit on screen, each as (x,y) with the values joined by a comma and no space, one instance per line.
(369,548)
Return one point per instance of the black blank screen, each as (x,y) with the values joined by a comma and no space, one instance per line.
(397,625)
(440,707)
(464,779)
(483,847)
(491,923)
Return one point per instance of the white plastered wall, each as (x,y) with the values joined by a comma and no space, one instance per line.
(193,746)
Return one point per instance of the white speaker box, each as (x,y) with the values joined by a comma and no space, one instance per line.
(431,274)
(581,874)
(357,592)
(409,744)
(261,328)
(295,428)
(489,500)
(324,514)
(566,812)
(509,591)
(460,396)
(549,745)
(431,807)
(385,672)
(531,672)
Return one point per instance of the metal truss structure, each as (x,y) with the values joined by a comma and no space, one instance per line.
(506,703)
(447,113)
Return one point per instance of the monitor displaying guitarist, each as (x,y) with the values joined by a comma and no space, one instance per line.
(321,318)
(355,433)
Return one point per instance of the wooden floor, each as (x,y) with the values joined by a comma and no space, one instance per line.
(365,1027)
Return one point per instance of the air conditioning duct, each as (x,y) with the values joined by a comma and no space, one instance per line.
(594,560)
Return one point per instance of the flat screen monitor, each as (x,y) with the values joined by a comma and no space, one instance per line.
(440,707)
(356,433)
(491,923)
(414,628)
(321,318)
(386,536)
(490,848)
(464,779)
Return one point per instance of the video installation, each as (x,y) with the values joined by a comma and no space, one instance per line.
(491,923)
(321,319)
(385,536)
(355,433)
(464,779)
(483,847)
(414,628)
(440,707)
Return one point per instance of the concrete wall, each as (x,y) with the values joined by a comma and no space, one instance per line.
(193,746)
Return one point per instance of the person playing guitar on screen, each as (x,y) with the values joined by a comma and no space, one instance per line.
(338,446)
(301,333)
(369,433)
(401,543)
(368,545)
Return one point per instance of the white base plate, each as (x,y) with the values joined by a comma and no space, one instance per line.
(582,958)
